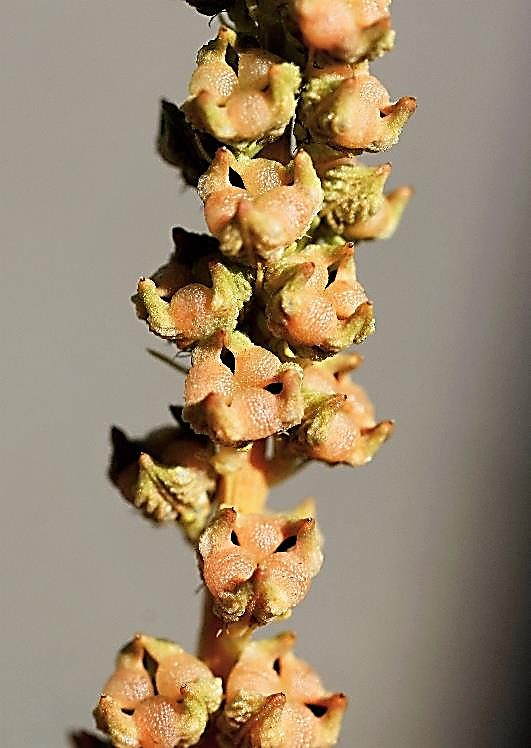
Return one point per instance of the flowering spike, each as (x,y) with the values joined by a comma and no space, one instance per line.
(274,207)
(258,567)
(158,696)
(347,107)
(242,96)
(264,306)
(273,698)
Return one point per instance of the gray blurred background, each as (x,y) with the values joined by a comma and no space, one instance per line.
(419,611)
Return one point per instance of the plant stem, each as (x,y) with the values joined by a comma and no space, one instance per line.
(220,645)
(244,486)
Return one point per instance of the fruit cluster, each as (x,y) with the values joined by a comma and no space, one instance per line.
(280,107)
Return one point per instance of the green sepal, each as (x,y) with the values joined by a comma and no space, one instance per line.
(352,193)
(179,494)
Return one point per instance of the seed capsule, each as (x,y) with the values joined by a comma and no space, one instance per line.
(244,97)
(258,567)
(273,699)
(347,107)
(158,697)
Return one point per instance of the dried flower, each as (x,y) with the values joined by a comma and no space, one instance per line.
(167,475)
(256,208)
(338,424)
(314,301)
(195,294)
(258,567)
(242,96)
(347,107)
(158,696)
(273,699)
(349,30)
(237,392)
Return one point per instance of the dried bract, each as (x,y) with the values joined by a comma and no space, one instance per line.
(167,475)
(87,740)
(258,567)
(273,699)
(158,697)
(256,208)
(355,206)
(338,423)
(237,392)
(314,301)
(347,107)
(242,96)
(182,146)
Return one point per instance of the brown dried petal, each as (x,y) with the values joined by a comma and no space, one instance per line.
(273,699)
(236,391)
(257,567)
(158,696)
(265,208)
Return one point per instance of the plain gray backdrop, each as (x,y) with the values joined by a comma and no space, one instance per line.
(419,611)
